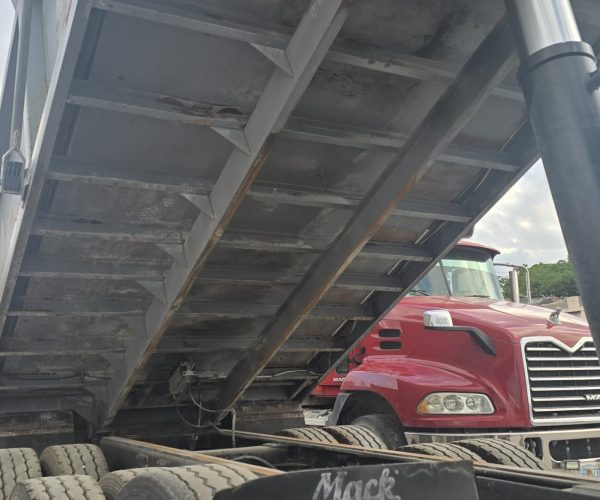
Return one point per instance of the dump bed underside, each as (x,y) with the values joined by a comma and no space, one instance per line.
(200,196)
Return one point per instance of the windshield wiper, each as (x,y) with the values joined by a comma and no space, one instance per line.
(419,292)
(480,296)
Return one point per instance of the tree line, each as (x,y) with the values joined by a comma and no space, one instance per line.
(547,280)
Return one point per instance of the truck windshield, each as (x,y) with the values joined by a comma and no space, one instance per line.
(463,273)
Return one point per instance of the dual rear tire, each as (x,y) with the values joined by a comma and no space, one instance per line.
(72,473)
(339,434)
(195,482)
(74,459)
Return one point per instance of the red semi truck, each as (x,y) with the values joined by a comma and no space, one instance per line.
(455,360)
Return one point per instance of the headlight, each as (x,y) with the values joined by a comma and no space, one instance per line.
(455,403)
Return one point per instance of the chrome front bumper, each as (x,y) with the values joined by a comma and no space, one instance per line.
(551,446)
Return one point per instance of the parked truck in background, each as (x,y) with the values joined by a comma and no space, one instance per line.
(490,368)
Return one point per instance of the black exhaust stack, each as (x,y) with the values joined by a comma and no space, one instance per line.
(560,81)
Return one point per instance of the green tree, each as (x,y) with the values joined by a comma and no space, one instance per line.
(556,279)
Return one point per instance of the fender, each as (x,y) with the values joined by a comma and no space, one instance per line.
(403,382)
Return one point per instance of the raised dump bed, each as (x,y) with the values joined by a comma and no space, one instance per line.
(245,187)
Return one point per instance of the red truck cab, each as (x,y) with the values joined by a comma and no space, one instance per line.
(454,359)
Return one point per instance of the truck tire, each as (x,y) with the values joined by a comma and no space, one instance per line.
(17,464)
(386,427)
(448,450)
(497,451)
(85,459)
(195,482)
(58,488)
(113,482)
(315,434)
(356,435)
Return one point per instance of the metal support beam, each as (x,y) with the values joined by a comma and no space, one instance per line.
(29,383)
(8,89)
(482,73)
(348,280)
(104,308)
(348,53)
(58,88)
(149,276)
(305,51)
(268,242)
(89,172)
(37,77)
(113,231)
(62,346)
(24,14)
(211,343)
(98,346)
(52,267)
(149,234)
(98,308)
(146,104)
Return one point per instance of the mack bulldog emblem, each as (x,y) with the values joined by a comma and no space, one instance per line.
(371,489)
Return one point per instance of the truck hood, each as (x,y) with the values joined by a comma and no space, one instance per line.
(503,320)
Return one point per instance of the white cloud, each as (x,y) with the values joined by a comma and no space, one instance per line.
(523,225)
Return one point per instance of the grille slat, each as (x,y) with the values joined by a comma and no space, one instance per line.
(562,398)
(574,388)
(563,383)
(563,368)
(574,358)
(558,379)
(568,408)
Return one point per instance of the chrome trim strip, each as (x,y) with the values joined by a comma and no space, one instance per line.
(563,368)
(581,358)
(564,398)
(572,388)
(567,408)
(551,379)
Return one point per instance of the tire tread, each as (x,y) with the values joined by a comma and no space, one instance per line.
(79,459)
(17,464)
(502,452)
(193,482)
(76,487)
(447,450)
(314,434)
(356,435)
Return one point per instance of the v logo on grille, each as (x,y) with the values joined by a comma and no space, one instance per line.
(560,344)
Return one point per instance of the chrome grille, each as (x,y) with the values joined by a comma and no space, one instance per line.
(563,384)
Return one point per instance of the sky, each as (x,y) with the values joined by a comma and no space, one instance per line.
(523,224)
